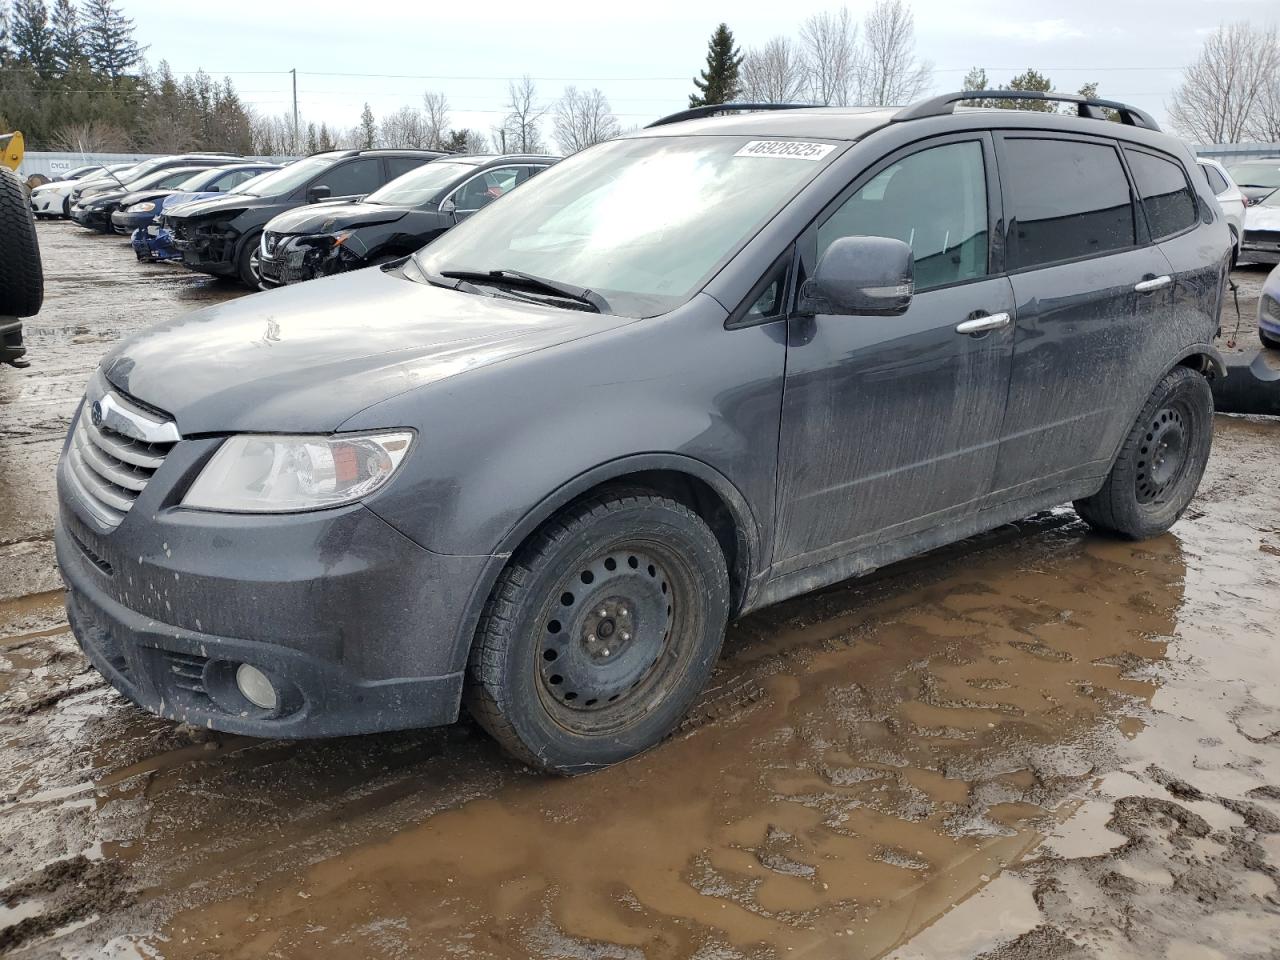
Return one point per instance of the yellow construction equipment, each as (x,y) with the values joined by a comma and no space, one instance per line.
(11,149)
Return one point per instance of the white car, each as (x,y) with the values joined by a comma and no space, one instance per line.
(1230,198)
(1269,311)
(52,200)
(1261,243)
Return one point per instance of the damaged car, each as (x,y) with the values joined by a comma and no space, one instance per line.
(153,243)
(141,206)
(222,236)
(95,212)
(534,469)
(390,223)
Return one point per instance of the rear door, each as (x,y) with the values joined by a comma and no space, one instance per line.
(1087,284)
(892,424)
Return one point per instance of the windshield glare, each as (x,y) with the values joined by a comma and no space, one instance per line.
(644,222)
(286,180)
(420,184)
(1256,174)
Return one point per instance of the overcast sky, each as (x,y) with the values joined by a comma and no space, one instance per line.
(643,55)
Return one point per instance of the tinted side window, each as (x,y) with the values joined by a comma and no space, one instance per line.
(231,179)
(399,166)
(356,177)
(489,186)
(935,201)
(1217,182)
(1166,195)
(1069,199)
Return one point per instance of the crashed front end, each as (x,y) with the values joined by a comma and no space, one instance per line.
(292,258)
(207,244)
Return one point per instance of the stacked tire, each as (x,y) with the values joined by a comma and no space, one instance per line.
(21,275)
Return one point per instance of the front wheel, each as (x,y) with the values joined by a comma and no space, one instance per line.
(247,262)
(1161,462)
(600,633)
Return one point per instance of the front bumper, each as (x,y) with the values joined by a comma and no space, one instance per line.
(123,222)
(202,248)
(1260,247)
(358,626)
(92,219)
(296,259)
(46,204)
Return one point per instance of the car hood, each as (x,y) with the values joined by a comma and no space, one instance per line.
(326,218)
(1262,217)
(218,203)
(138,196)
(107,196)
(307,357)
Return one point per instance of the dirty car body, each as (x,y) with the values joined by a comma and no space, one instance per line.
(692,357)
(392,222)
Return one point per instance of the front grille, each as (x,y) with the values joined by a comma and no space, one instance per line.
(112,460)
(186,671)
(1262,236)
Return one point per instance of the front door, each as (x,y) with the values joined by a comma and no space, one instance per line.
(892,424)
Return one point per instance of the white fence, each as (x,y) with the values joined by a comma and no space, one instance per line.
(1237,151)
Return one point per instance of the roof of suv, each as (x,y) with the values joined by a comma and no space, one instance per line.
(476,159)
(380,152)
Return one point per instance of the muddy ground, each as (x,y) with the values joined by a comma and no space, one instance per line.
(1038,744)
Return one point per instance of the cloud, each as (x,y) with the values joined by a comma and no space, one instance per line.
(1036,31)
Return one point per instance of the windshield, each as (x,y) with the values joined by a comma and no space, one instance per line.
(158,178)
(197,181)
(1256,174)
(279,182)
(1270,200)
(642,222)
(420,184)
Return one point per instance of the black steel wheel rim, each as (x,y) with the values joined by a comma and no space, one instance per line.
(606,639)
(1163,456)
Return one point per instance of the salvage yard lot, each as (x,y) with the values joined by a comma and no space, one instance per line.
(1036,744)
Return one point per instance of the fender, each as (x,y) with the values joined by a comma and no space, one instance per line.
(743,517)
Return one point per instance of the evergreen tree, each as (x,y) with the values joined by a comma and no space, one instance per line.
(1030,80)
(313,142)
(33,37)
(68,49)
(109,42)
(325,139)
(718,83)
(975,79)
(367,132)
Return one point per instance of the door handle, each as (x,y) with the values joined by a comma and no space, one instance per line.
(1146,286)
(992,321)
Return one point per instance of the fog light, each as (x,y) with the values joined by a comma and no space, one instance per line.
(256,687)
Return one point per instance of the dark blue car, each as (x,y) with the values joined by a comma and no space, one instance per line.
(140,214)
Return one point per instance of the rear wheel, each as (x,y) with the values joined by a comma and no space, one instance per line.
(247,262)
(1161,462)
(600,633)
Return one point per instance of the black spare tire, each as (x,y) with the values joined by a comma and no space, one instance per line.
(21,276)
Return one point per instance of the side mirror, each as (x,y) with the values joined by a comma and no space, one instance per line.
(318,192)
(862,276)
(448,206)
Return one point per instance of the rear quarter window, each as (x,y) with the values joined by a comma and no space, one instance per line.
(1217,182)
(1166,194)
(1070,199)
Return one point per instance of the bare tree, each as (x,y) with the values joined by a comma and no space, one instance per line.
(829,52)
(405,129)
(475,142)
(520,128)
(435,119)
(94,136)
(773,73)
(890,73)
(1264,125)
(1219,97)
(583,119)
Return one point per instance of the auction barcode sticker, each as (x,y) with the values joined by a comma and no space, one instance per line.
(786,149)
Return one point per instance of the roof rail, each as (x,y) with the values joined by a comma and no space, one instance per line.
(710,109)
(1085,106)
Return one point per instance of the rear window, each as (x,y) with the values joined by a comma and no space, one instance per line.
(1070,199)
(1217,182)
(1165,192)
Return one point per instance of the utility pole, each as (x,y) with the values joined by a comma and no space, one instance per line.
(294,71)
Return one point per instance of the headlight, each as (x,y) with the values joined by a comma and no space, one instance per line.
(142,207)
(279,474)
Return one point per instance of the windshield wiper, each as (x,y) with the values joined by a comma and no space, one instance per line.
(518,278)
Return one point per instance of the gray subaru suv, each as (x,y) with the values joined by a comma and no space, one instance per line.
(535,468)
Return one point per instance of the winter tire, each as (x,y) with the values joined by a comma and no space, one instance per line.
(21,275)
(1160,463)
(600,632)
(247,262)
